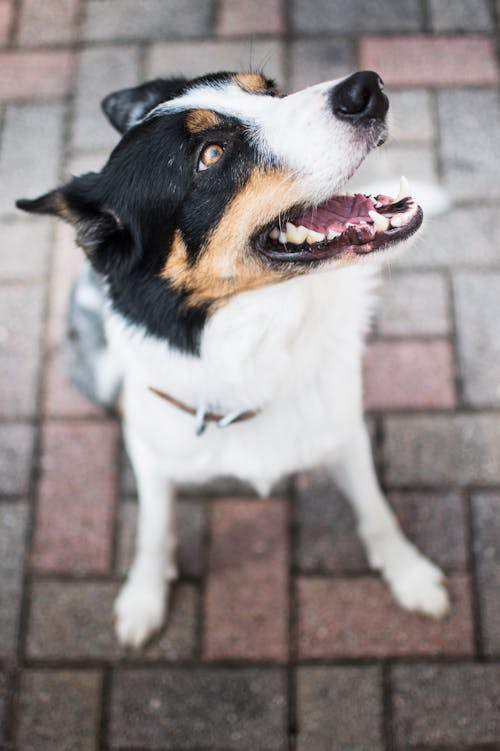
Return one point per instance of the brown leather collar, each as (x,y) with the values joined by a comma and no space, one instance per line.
(221,420)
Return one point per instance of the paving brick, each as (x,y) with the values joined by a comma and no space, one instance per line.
(246,604)
(319,60)
(345,618)
(486,515)
(336,16)
(431,61)
(409,375)
(21,308)
(417,162)
(53,21)
(325,700)
(74,621)
(411,116)
(413,305)
(455,450)
(477,310)
(196,58)
(251,17)
(25,249)
(158,19)
(446,705)
(59,709)
(35,75)
(60,398)
(467,143)
(76,497)
(190,521)
(6,16)
(30,156)
(13,528)
(240,709)
(16,452)
(101,71)
(460,237)
(448,15)
(436,523)
(327,540)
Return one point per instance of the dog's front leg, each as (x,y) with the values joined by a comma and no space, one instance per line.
(140,607)
(416,583)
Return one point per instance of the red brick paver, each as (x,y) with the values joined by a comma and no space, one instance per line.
(35,75)
(246,605)
(6,15)
(409,374)
(254,16)
(431,61)
(77,497)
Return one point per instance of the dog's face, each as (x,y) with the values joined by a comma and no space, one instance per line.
(220,185)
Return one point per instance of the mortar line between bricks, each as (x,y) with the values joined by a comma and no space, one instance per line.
(426,17)
(206,544)
(386,691)
(14,24)
(474,579)
(80,44)
(126,662)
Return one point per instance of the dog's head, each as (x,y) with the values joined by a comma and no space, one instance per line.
(219,185)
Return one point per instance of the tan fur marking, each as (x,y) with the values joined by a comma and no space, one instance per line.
(199,120)
(251,82)
(228,265)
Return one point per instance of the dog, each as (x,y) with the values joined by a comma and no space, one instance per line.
(227,287)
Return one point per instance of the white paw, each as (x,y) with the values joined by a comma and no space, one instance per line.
(420,587)
(139,613)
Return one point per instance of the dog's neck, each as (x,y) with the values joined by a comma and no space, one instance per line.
(263,345)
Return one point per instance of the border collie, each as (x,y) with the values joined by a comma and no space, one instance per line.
(227,288)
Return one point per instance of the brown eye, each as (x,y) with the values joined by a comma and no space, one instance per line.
(209,156)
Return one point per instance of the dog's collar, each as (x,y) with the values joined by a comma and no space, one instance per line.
(203,417)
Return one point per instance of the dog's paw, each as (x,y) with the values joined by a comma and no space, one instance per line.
(139,613)
(420,587)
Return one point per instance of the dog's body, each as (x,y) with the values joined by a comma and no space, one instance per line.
(225,320)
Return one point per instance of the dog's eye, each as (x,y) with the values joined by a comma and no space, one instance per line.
(210,156)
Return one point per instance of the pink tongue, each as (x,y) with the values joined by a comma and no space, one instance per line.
(334,213)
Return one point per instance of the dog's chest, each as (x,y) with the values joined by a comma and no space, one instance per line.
(291,351)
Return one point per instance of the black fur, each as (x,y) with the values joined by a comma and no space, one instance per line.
(126,216)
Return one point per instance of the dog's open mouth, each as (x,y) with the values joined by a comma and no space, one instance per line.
(352,223)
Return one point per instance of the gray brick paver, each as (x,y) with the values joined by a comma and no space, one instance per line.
(242,709)
(13,529)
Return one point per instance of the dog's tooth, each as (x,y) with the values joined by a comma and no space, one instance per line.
(381,222)
(282,237)
(404,189)
(399,220)
(274,233)
(314,237)
(332,234)
(296,235)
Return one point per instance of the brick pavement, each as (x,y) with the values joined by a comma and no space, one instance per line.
(298,646)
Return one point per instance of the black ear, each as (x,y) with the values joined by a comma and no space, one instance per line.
(126,107)
(78,204)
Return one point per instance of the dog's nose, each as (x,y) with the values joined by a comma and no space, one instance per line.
(360,97)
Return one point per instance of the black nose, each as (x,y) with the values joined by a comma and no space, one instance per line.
(360,97)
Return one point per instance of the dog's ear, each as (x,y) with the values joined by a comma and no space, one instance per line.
(77,203)
(126,107)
